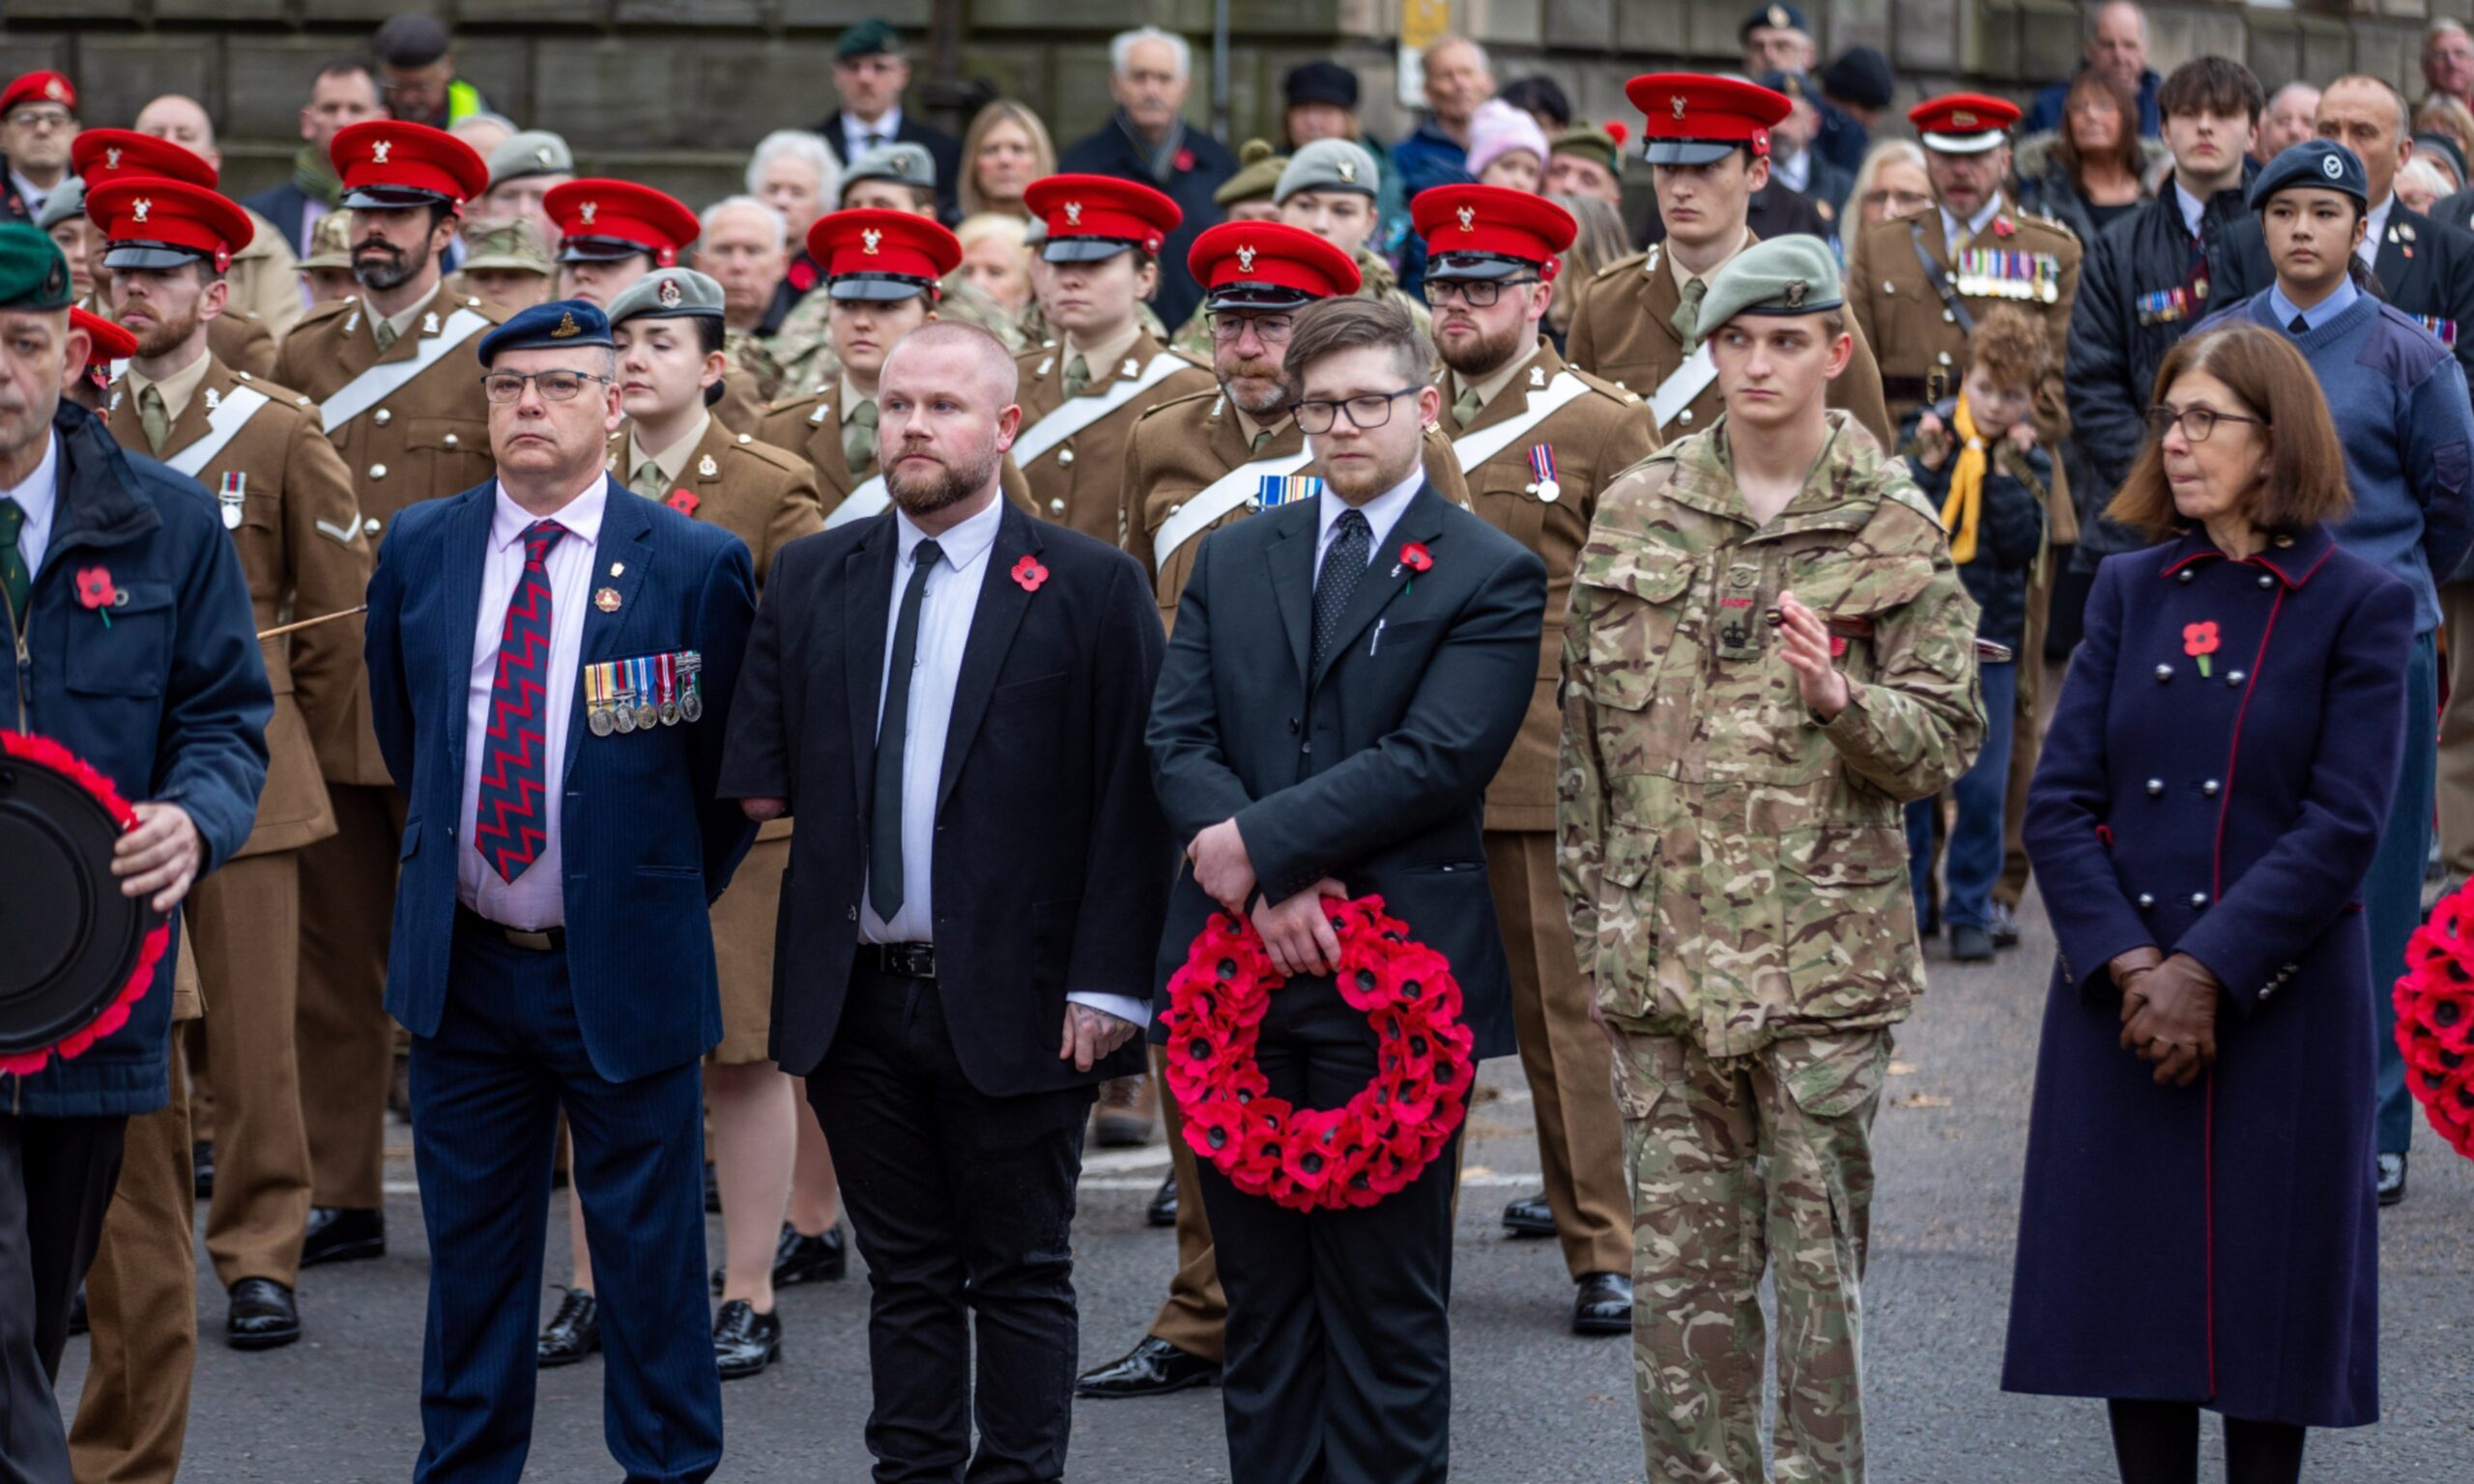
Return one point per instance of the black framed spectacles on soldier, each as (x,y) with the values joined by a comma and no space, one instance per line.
(1371,410)
(555,385)
(1229,326)
(2197,422)
(1476,292)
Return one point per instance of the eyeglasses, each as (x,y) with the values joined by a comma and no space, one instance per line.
(1270,329)
(1898,203)
(1476,292)
(2197,422)
(42,118)
(504,387)
(1372,410)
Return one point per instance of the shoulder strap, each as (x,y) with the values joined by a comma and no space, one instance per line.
(1938,279)
(1476,448)
(1075,413)
(1680,391)
(1217,499)
(222,424)
(365,391)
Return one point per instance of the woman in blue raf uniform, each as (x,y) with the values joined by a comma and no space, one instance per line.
(2197,1226)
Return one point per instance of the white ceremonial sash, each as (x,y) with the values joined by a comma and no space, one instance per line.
(365,391)
(1075,413)
(1476,448)
(868,499)
(1217,499)
(240,404)
(1677,391)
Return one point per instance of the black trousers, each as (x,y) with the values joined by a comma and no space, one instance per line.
(963,1205)
(1339,1342)
(56,1179)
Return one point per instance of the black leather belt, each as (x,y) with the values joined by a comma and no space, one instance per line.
(547,940)
(901,960)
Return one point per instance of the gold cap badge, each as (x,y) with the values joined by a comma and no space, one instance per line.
(566,325)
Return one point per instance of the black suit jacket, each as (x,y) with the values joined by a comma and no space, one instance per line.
(943,148)
(1208,166)
(283,204)
(2426,269)
(1373,771)
(1051,861)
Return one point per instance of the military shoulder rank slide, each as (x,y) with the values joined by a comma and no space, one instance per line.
(648,691)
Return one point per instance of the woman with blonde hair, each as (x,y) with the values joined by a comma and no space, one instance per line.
(1890,184)
(995,258)
(1005,149)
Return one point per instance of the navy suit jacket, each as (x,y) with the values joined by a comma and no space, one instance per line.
(645,845)
(283,204)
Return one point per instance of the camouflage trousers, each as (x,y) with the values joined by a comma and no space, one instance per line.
(1735,1162)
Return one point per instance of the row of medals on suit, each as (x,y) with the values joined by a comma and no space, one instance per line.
(1999,272)
(638,695)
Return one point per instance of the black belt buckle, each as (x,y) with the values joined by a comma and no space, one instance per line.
(903,961)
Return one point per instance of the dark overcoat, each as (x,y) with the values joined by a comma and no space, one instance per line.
(2218,1242)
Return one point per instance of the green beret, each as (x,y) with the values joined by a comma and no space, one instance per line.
(668,294)
(867,39)
(33,274)
(66,199)
(1330,164)
(906,164)
(1257,176)
(1783,275)
(511,243)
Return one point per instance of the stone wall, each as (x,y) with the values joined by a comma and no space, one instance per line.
(673,92)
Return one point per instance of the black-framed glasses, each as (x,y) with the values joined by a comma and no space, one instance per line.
(1270,329)
(2197,422)
(1370,410)
(1476,292)
(504,387)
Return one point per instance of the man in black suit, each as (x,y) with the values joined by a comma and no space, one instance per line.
(2423,267)
(1148,140)
(1347,673)
(964,690)
(869,74)
(344,92)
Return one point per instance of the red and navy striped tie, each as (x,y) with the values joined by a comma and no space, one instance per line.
(509,828)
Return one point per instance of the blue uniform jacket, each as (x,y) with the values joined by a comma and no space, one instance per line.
(169,699)
(645,844)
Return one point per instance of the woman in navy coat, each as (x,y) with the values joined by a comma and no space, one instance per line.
(2197,1226)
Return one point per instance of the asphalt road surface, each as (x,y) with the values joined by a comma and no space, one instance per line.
(1533,1403)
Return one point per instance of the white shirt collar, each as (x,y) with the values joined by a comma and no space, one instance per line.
(581,516)
(2193,210)
(962,545)
(31,193)
(1975,223)
(1793,171)
(39,497)
(1382,512)
(2373,226)
(890,126)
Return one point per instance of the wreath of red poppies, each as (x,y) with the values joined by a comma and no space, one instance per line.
(2435,1020)
(1319,1158)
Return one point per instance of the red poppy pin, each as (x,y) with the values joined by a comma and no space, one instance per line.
(802,275)
(1415,556)
(1029,572)
(1185,160)
(2003,226)
(2199,641)
(684,502)
(95,591)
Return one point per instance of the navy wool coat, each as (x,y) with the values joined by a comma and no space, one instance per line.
(2214,1244)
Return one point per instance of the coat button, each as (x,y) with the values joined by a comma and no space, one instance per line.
(2210,787)
(2187,574)
(377,470)
(382,417)
(2234,677)
(2164,672)
(1948,318)
(1684,416)
(854,914)
(448,440)
(2198,900)
(1179,506)
(372,527)
(1292,726)
(1057,506)
(2155,787)
(2267,581)
(1064,457)
(2146,902)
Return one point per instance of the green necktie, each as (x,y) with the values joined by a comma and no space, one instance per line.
(1260,438)
(1687,315)
(1464,407)
(859,438)
(651,482)
(152,417)
(1078,374)
(384,332)
(13,579)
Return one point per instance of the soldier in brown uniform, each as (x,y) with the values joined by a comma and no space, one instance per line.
(285,497)
(399,393)
(1192,466)
(1709,150)
(103,155)
(1537,441)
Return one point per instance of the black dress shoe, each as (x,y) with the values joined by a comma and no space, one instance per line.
(2392,1178)
(202,1165)
(78,1312)
(1163,1210)
(1528,1216)
(1970,943)
(1153,1368)
(1603,1304)
(572,1333)
(263,1316)
(819,1259)
(343,1234)
(744,1341)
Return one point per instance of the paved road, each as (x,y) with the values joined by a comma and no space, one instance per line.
(1534,1403)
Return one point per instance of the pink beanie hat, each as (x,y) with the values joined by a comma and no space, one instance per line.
(1499,128)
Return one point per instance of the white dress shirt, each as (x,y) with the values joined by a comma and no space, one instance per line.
(1975,223)
(2193,210)
(1381,513)
(35,196)
(946,610)
(854,134)
(38,498)
(533,900)
(2375,224)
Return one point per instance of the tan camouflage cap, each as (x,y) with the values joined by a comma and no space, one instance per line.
(510,243)
(330,241)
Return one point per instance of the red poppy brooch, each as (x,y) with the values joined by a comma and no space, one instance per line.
(684,502)
(1319,1158)
(1029,574)
(2436,1021)
(95,591)
(2199,641)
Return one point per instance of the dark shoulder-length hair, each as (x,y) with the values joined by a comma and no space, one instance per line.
(2127,153)
(2305,477)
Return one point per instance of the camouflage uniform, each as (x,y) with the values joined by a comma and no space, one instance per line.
(746,351)
(1735,874)
(802,349)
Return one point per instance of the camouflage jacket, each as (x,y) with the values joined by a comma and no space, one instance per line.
(1735,871)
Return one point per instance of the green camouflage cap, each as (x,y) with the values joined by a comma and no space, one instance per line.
(1792,275)
(33,274)
(66,199)
(1257,177)
(510,243)
(906,164)
(1330,164)
(668,294)
(867,39)
(528,152)
(330,241)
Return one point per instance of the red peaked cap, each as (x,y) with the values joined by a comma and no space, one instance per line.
(101,155)
(601,219)
(391,158)
(111,342)
(1494,220)
(1692,118)
(883,244)
(45,87)
(1101,209)
(151,209)
(1963,123)
(1267,263)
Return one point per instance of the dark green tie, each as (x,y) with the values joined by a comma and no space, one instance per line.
(1687,314)
(860,438)
(1078,374)
(14,579)
(885,818)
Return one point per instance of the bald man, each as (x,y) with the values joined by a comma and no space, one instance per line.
(2292,117)
(2117,47)
(264,276)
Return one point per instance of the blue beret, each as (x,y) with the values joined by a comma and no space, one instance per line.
(2319,164)
(558,325)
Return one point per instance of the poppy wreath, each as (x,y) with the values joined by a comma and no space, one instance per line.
(2435,1019)
(43,752)
(1319,1158)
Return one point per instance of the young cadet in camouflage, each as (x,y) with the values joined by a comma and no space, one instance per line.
(1733,862)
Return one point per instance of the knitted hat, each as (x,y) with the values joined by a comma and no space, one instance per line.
(1498,130)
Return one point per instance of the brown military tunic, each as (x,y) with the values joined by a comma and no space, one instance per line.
(1624,330)
(288,502)
(1075,483)
(810,426)
(426,439)
(742,403)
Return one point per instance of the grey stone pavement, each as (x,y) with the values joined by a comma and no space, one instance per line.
(1533,1403)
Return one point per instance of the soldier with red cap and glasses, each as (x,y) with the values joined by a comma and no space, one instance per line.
(1708,144)
(102,155)
(399,394)
(38,121)
(612,233)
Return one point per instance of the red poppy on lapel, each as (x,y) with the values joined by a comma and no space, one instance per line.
(2003,226)
(1029,572)
(684,502)
(94,588)
(2199,641)
(1185,160)
(1415,556)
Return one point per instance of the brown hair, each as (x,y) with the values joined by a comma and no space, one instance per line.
(2305,485)
(2126,152)
(1353,321)
(2010,347)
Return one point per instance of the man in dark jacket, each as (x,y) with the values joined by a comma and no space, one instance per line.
(2116,44)
(1149,141)
(2152,275)
(163,693)
(2419,267)
(869,75)
(344,92)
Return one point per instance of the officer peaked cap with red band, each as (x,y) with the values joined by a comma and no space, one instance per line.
(1489,230)
(601,221)
(871,254)
(38,88)
(1094,217)
(1693,119)
(1268,265)
(156,223)
(101,155)
(390,165)
(1963,123)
